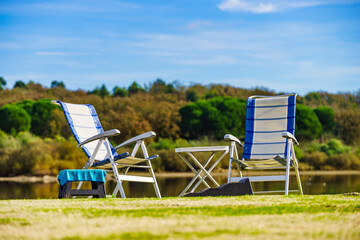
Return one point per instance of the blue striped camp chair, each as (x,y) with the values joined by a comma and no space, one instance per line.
(269,139)
(88,132)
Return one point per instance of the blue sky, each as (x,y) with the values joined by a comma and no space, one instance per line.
(292,46)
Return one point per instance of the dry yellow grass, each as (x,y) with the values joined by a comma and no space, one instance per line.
(245,217)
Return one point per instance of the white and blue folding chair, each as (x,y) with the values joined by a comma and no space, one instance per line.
(88,132)
(269,139)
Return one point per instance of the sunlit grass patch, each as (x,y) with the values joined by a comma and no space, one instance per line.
(245,217)
(20,221)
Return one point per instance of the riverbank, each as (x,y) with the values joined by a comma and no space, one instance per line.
(48,179)
(243,217)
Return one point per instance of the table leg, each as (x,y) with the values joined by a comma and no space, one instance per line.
(210,169)
(193,180)
(203,169)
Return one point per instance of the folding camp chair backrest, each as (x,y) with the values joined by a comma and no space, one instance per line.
(266,119)
(84,123)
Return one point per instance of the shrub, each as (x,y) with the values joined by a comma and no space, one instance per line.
(14,119)
(213,118)
(298,153)
(26,105)
(170,161)
(191,96)
(315,159)
(102,91)
(20,84)
(348,125)
(308,126)
(333,147)
(44,123)
(344,161)
(2,83)
(326,117)
(120,92)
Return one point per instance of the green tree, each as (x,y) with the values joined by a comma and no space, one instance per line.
(334,146)
(191,96)
(233,114)
(199,119)
(159,86)
(135,88)
(102,91)
(312,96)
(326,117)
(57,84)
(14,119)
(2,83)
(26,105)
(211,93)
(44,123)
(307,124)
(20,84)
(120,92)
(213,118)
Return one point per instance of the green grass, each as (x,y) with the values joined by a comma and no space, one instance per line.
(245,217)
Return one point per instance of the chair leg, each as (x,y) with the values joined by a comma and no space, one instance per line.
(298,179)
(288,158)
(296,166)
(156,187)
(146,155)
(122,192)
(119,186)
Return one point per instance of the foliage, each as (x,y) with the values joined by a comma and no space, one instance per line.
(14,119)
(191,96)
(307,125)
(28,154)
(316,160)
(333,147)
(326,117)
(174,111)
(159,86)
(348,125)
(213,118)
(120,92)
(312,96)
(44,123)
(26,105)
(102,91)
(20,84)
(57,84)
(135,88)
(2,83)
(343,161)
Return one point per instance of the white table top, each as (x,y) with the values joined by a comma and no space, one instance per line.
(202,149)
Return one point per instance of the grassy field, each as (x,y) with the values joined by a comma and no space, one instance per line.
(244,217)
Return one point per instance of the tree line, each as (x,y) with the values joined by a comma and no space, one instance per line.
(177,114)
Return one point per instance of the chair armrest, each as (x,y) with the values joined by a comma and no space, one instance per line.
(55,102)
(290,136)
(109,133)
(136,138)
(229,137)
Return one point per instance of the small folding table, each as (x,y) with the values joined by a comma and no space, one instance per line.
(200,170)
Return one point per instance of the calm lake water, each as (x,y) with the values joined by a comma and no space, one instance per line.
(172,186)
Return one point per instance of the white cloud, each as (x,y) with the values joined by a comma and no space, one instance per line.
(268,6)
